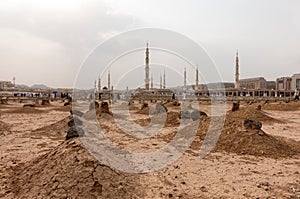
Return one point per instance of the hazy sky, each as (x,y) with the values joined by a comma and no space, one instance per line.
(46,41)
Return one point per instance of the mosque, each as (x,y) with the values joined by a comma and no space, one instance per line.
(255,87)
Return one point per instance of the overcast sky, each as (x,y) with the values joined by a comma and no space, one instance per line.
(46,41)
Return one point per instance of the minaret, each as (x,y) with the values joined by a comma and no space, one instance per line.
(95,88)
(147,80)
(237,70)
(197,80)
(184,81)
(151,81)
(14,81)
(160,86)
(164,86)
(99,84)
(108,81)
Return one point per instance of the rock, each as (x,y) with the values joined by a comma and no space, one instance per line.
(265,184)
(74,132)
(175,103)
(29,105)
(94,105)
(105,107)
(261,133)
(258,108)
(76,112)
(196,115)
(70,99)
(158,108)
(144,105)
(185,114)
(235,106)
(3,101)
(203,189)
(67,104)
(252,124)
(74,121)
(45,102)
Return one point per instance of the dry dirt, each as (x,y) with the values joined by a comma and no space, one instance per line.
(37,162)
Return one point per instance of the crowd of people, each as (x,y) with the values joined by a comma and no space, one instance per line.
(52,95)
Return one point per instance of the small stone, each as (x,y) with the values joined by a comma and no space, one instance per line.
(203,189)
(185,114)
(261,133)
(252,124)
(258,108)
(74,132)
(265,184)
(76,112)
(94,105)
(235,106)
(67,103)
(45,102)
(29,105)
(105,107)
(74,121)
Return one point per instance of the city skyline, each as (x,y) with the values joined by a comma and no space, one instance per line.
(45,43)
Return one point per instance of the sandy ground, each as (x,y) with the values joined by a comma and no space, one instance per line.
(37,162)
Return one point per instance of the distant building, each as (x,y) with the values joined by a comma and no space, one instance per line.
(283,83)
(6,84)
(221,85)
(271,85)
(253,83)
(295,83)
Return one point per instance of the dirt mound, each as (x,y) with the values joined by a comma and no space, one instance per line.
(172,104)
(172,119)
(252,113)
(62,109)
(251,142)
(3,101)
(235,139)
(25,110)
(56,130)
(282,106)
(69,171)
(144,111)
(132,107)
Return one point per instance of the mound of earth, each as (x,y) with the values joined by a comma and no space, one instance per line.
(235,139)
(55,130)
(172,119)
(25,110)
(69,171)
(62,109)
(144,111)
(252,113)
(132,107)
(282,106)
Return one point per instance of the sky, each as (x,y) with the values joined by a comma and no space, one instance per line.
(47,42)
